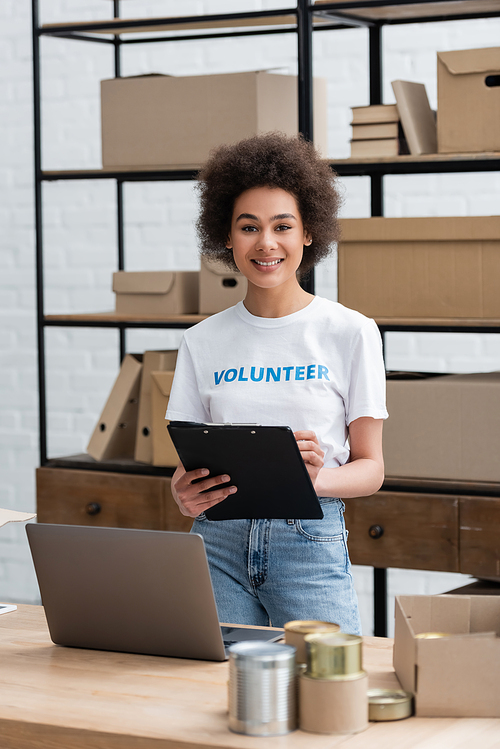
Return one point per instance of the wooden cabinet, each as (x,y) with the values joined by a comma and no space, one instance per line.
(442,532)
(402,529)
(480,536)
(82,497)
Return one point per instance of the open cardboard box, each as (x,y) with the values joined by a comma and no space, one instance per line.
(453,676)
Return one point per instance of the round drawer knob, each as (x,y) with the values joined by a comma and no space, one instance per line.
(93,508)
(376,531)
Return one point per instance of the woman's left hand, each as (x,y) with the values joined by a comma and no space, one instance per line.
(311,452)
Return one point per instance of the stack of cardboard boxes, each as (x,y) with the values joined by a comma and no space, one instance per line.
(441,428)
(438,270)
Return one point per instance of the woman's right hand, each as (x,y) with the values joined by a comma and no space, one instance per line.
(188,495)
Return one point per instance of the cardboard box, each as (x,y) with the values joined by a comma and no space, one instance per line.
(159,293)
(164,452)
(220,287)
(444,427)
(468,100)
(151,361)
(114,433)
(156,121)
(438,268)
(454,676)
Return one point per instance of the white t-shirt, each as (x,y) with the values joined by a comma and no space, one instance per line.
(319,368)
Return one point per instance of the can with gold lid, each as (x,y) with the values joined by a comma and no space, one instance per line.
(334,656)
(389,704)
(296,631)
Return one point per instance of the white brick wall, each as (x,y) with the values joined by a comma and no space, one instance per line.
(80,230)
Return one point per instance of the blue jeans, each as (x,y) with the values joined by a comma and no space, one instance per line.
(272,571)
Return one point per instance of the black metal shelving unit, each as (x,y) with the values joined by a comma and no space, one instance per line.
(303,20)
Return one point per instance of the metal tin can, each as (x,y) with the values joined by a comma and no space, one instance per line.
(295,632)
(389,704)
(262,688)
(334,656)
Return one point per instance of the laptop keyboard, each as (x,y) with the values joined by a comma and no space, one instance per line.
(233,635)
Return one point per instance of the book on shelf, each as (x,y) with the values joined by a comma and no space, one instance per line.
(374,113)
(372,131)
(417,118)
(374,147)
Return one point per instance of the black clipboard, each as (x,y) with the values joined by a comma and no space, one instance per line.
(264,462)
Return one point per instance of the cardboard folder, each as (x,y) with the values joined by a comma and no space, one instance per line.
(417,118)
(157,361)
(164,452)
(114,434)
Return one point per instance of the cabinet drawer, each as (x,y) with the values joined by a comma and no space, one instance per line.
(480,536)
(399,529)
(107,499)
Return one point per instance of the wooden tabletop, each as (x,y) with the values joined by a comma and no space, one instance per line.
(66,698)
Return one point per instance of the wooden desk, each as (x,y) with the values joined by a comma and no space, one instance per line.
(65,698)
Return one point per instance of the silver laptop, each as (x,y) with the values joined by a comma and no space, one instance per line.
(133,591)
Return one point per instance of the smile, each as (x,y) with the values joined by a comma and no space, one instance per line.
(267,264)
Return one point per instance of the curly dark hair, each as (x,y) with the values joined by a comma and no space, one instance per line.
(270,160)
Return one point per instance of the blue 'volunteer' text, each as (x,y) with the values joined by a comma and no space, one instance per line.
(272,374)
